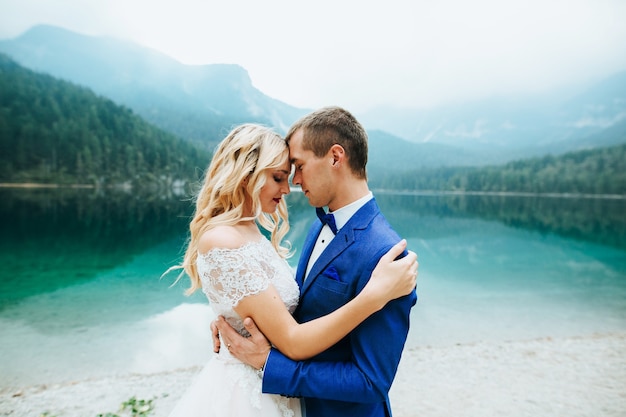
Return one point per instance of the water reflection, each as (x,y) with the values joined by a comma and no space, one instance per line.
(600,221)
(52,238)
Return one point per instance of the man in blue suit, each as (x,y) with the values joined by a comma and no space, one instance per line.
(352,378)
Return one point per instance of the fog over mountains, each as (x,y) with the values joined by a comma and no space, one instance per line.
(201,103)
(552,122)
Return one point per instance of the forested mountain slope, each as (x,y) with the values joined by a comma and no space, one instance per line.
(55,131)
(593,171)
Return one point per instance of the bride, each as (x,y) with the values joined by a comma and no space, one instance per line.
(245,274)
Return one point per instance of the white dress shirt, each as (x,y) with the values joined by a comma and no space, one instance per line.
(342,216)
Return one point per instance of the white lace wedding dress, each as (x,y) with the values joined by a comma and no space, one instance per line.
(226,386)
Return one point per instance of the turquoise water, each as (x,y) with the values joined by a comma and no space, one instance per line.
(81,293)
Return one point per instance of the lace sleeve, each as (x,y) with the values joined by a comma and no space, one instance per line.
(229,275)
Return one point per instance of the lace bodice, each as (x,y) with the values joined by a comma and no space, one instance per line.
(229,275)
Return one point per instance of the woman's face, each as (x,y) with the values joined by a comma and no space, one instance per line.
(276,185)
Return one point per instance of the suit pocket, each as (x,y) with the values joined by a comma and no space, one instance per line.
(332,284)
(323,297)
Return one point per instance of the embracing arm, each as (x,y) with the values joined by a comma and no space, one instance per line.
(390,280)
(376,349)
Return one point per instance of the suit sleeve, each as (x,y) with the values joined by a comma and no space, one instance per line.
(376,346)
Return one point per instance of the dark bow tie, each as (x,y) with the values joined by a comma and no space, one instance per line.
(328,219)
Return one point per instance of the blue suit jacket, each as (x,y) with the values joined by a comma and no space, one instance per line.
(353,377)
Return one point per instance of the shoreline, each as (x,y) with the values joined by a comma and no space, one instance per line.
(573,376)
(377,190)
(42,185)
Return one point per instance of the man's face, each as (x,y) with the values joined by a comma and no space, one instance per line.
(311,173)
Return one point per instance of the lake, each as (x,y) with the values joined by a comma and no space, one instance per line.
(81,293)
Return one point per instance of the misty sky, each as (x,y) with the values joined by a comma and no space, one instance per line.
(361,54)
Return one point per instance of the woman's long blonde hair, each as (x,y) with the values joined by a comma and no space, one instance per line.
(238,169)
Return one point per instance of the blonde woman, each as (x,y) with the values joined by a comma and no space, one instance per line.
(245,274)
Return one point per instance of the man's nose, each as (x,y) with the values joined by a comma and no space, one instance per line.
(296,180)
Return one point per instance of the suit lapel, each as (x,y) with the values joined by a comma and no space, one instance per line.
(344,238)
(340,243)
(307,248)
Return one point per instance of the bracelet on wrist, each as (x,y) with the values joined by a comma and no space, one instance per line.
(261,371)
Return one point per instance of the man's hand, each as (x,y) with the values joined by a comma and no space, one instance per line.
(252,350)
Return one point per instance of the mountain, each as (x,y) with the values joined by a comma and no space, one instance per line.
(554,122)
(390,155)
(53,131)
(199,103)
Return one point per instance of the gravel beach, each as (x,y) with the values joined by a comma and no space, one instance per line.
(576,376)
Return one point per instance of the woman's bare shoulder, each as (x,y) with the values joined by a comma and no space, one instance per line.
(222,237)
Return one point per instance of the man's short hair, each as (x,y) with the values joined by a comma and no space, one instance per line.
(328,126)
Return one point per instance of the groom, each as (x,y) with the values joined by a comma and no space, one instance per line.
(328,149)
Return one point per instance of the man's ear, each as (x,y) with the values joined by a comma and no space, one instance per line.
(337,154)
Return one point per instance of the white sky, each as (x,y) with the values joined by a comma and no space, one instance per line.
(361,54)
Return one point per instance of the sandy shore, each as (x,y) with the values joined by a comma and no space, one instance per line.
(583,376)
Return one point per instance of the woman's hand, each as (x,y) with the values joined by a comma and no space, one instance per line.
(393,279)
